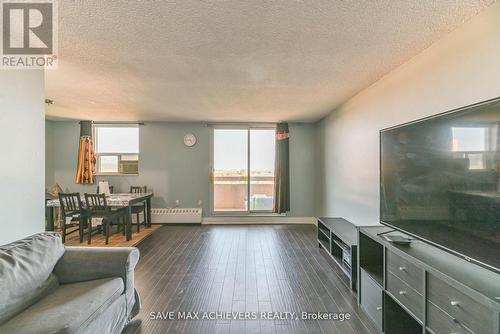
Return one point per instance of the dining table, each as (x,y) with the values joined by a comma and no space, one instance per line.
(114,200)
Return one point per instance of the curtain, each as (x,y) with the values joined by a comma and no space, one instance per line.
(86,159)
(282,170)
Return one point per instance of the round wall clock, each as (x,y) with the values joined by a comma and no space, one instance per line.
(189,140)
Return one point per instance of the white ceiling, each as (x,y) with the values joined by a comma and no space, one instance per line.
(234,60)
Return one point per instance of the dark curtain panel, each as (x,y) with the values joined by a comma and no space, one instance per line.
(86,159)
(282,173)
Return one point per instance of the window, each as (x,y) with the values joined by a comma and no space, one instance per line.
(243,170)
(472,143)
(117,149)
(469,139)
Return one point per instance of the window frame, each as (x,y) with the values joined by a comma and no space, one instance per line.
(117,154)
(247,127)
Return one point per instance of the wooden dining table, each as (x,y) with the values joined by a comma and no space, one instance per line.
(114,200)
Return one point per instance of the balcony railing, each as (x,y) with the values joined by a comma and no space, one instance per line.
(231,193)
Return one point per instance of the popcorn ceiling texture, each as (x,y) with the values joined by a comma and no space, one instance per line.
(234,60)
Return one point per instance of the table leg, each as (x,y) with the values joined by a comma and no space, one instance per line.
(148,212)
(49,216)
(128,221)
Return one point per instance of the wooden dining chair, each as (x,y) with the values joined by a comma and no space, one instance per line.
(72,214)
(141,207)
(97,207)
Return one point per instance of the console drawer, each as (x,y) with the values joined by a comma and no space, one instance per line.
(439,322)
(406,271)
(464,309)
(371,298)
(406,295)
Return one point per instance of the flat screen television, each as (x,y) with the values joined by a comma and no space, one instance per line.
(439,181)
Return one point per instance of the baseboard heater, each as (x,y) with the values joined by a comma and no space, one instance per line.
(176,215)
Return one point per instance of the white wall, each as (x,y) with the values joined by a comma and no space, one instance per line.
(22,165)
(49,155)
(460,69)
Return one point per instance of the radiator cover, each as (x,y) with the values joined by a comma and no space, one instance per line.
(176,215)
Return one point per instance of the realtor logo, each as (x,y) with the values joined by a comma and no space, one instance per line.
(29,34)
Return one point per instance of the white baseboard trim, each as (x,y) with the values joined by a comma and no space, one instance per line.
(258,220)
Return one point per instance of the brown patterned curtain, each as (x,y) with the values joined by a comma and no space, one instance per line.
(282,170)
(86,159)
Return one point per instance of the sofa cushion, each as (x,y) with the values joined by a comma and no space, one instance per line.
(26,271)
(112,321)
(69,309)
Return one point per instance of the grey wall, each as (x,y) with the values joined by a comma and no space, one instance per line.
(302,170)
(22,162)
(175,171)
(459,70)
(166,165)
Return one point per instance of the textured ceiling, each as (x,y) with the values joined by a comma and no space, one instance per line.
(234,60)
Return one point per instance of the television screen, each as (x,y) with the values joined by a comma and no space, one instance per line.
(440,181)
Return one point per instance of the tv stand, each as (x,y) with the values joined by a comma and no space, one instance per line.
(419,288)
(339,238)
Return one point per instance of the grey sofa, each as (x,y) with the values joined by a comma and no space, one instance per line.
(46,287)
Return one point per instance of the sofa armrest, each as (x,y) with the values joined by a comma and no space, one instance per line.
(88,263)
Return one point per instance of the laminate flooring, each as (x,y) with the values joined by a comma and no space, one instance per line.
(218,269)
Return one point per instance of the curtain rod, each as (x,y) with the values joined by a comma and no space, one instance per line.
(256,124)
(118,123)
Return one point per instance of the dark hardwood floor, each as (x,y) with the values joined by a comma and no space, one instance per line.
(252,268)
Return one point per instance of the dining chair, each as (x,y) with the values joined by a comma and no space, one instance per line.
(141,207)
(72,214)
(97,207)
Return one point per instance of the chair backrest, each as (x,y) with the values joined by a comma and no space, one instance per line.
(71,203)
(138,189)
(96,204)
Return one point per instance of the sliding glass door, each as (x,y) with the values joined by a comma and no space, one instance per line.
(261,187)
(230,170)
(243,162)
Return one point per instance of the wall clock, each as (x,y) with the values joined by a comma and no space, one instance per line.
(189,140)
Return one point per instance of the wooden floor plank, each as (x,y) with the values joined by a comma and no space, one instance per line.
(241,268)
(171,279)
